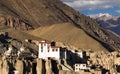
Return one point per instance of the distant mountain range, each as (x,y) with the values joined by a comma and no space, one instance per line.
(55,21)
(109,22)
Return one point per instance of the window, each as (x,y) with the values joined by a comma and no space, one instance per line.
(44,44)
(56,49)
(48,47)
(76,65)
(48,50)
(53,50)
(83,65)
(41,47)
(41,50)
(41,44)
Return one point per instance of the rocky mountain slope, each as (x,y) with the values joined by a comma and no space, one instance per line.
(109,22)
(54,21)
(38,13)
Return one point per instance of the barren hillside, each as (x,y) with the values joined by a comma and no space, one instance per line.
(42,13)
(68,34)
(21,35)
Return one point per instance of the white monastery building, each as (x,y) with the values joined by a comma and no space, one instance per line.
(79,67)
(46,50)
(79,53)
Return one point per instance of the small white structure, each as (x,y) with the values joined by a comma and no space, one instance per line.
(16,72)
(26,40)
(79,67)
(80,54)
(18,53)
(46,51)
(22,49)
(65,54)
(9,51)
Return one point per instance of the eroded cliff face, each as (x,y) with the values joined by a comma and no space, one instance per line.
(100,60)
(28,67)
(14,22)
(11,66)
(4,68)
(40,66)
(19,66)
(48,67)
(105,60)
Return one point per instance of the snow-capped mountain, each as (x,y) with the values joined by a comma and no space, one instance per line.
(108,21)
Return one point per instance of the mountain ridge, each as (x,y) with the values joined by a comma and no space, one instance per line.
(47,13)
(109,22)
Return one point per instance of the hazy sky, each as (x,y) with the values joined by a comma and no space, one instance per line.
(91,7)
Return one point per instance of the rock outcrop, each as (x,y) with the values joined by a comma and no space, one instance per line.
(4,68)
(48,66)
(19,66)
(15,23)
(40,66)
(2,20)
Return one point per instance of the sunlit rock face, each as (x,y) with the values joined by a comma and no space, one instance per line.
(4,68)
(40,66)
(19,66)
